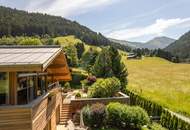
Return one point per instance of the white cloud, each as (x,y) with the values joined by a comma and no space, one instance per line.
(157,28)
(68,7)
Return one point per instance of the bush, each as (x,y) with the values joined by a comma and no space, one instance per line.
(120,115)
(78,95)
(94,115)
(104,88)
(77,77)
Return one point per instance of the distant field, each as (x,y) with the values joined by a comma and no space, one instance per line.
(72,40)
(161,81)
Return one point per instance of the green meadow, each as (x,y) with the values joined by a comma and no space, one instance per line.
(161,81)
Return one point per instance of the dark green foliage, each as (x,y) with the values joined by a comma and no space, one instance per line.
(156,52)
(88,58)
(123,116)
(181,48)
(104,88)
(77,77)
(71,53)
(103,65)
(108,64)
(80,49)
(94,116)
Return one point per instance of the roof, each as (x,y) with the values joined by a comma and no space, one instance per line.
(23,56)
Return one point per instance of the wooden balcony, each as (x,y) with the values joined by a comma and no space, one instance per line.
(33,116)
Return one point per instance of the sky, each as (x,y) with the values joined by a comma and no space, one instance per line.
(132,20)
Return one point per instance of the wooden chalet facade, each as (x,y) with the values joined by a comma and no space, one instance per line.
(30,96)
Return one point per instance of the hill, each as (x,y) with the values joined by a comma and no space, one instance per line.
(15,22)
(181,47)
(157,42)
(128,43)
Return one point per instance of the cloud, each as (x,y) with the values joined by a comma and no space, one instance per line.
(157,28)
(67,7)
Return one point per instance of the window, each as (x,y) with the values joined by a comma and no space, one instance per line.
(25,89)
(4,88)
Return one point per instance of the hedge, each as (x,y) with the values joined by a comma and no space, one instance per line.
(172,122)
(104,88)
(168,120)
(124,116)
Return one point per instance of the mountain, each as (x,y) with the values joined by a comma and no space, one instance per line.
(157,42)
(16,23)
(181,47)
(128,43)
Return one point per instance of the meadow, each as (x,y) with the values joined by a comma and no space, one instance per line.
(161,81)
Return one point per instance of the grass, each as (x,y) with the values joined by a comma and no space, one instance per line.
(161,81)
(71,39)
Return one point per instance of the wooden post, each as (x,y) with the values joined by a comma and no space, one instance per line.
(36,86)
(46,83)
(12,88)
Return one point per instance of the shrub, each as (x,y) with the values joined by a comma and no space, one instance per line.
(78,95)
(77,77)
(104,88)
(120,115)
(94,115)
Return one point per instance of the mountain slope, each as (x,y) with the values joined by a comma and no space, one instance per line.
(157,42)
(181,47)
(128,43)
(15,23)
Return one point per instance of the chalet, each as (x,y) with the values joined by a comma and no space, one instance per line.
(30,96)
(131,56)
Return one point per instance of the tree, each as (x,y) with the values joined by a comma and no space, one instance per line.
(108,64)
(118,67)
(88,58)
(103,64)
(71,53)
(80,49)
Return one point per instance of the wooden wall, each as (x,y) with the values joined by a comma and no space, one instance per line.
(46,110)
(15,118)
(34,116)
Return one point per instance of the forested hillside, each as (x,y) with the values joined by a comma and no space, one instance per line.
(15,22)
(181,47)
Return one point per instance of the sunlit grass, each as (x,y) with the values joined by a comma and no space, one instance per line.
(72,40)
(161,81)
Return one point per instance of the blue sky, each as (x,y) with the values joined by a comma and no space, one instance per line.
(133,20)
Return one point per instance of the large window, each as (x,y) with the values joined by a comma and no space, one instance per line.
(26,89)
(30,86)
(4,88)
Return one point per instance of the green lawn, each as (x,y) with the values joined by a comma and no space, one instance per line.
(161,81)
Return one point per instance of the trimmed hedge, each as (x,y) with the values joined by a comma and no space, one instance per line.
(168,120)
(172,122)
(104,88)
(124,116)
(152,108)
